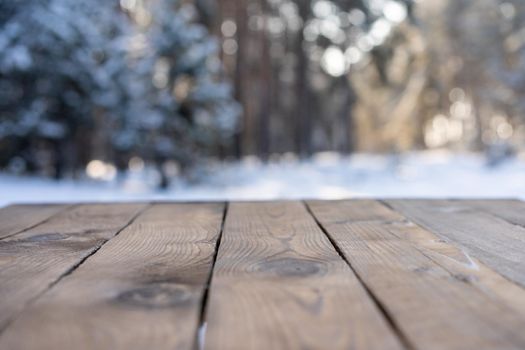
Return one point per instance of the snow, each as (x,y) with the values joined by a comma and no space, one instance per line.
(325,176)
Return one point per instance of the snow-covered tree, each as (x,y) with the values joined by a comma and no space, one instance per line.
(87,79)
(60,71)
(184,106)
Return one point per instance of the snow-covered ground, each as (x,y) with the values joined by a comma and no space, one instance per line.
(325,176)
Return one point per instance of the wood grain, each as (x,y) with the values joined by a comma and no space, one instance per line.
(452,258)
(494,241)
(511,210)
(278,283)
(457,261)
(141,290)
(434,307)
(33,260)
(16,218)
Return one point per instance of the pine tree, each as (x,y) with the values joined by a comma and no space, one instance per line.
(57,72)
(189,110)
(82,80)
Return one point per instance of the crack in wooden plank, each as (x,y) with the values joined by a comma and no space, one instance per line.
(473,264)
(68,272)
(494,241)
(472,204)
(382,309)
(60,212)
(200,336)
(150,279)
(279,283)
(392,268)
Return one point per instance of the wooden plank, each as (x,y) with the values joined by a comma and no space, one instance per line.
(278,283)
(494,241)
(141,290)
(459,263)
(452,258)
(16,218)
(33,260)
(511,210)
(434,308)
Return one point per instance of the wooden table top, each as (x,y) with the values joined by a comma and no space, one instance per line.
(355,274)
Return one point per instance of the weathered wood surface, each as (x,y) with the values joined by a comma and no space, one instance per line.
(17,218)
(489,238)
(279,283)
(33,260)
(142,290)
(355,274)
(435,308)
(511,210)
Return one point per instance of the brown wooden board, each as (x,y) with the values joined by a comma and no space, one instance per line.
(278,283)
(454,259)
(33,260)
(494,241)
(444,282)
(17,218)
(511,210)
(141,290)
(432,306)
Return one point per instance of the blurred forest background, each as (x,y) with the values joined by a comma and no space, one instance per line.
(102,86)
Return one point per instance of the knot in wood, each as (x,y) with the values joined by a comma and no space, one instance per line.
(158,295)
(290,267)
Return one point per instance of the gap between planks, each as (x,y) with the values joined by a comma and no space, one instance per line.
(476,272)
(71,269)
(200,336)
(84,259)
(423,242)
(201,330)
(131,292)
(473,228)
(510,210)
(42,215)
(391,322)
(253,270)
